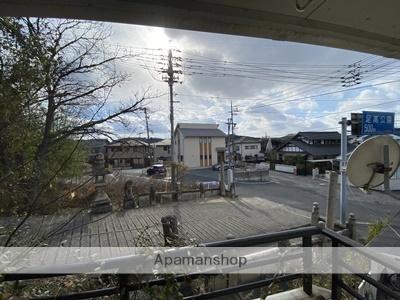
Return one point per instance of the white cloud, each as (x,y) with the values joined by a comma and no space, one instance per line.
(254,118)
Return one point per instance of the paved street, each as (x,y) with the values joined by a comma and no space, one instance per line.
(301,192)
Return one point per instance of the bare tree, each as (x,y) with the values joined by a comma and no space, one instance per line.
(76,72)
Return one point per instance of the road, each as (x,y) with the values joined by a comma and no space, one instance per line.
(301,192)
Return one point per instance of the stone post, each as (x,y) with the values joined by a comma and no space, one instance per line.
(152,195)
(202,192)
(315,214)
(130,200)
(170,230)
(101,203)
(351,226)
(222,179)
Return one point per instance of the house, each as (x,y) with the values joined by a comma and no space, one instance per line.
(128,153)
(269,145)
(311,149)
(162,150)
(199,145)
(247,148)
(94,146)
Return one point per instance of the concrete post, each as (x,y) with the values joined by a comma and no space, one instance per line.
(152,195)
(351,226)
(315,214)
(202,192)
(331,205)
(222,179)
(170,230)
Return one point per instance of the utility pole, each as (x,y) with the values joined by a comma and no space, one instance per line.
(171,78)
(231,128)
(343,177)
(149,152)
(231,144)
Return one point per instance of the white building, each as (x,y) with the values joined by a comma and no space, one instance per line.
(199,145)
(247,148)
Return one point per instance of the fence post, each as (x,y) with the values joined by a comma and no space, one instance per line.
(315,214)
(307,261)
(170,230)
(123,280)
(351,226)
(152,195)
(331,205)
(335,288)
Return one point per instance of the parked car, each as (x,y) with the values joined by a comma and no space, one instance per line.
(217,167)
(157,169)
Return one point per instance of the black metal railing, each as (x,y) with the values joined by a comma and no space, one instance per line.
(305,233)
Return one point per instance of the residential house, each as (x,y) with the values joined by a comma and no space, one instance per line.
(312,149)
(162,150)
(247,148)
(269,145)
(127,153)
(199,145)
(94,146)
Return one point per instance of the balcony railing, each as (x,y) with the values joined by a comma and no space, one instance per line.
(305,233)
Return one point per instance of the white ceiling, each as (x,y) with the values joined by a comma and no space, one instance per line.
(363,25)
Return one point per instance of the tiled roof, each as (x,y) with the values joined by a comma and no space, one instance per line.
(319,149)
(320,135)
(127,142)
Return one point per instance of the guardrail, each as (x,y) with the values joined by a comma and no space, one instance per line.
(305,233)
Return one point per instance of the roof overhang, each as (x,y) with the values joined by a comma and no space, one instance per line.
(362,25)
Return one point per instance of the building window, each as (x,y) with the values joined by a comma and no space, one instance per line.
(210,157)
(246,147)
(165,148)
(181,157)
(201,156)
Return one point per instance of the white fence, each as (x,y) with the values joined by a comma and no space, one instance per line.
(285,168)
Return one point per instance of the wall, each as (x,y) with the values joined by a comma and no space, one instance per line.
(285,168)
(191,150)
(251,152)
(191,153)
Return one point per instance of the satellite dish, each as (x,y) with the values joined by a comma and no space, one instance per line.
(365,167)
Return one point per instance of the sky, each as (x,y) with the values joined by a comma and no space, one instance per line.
(276,87)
